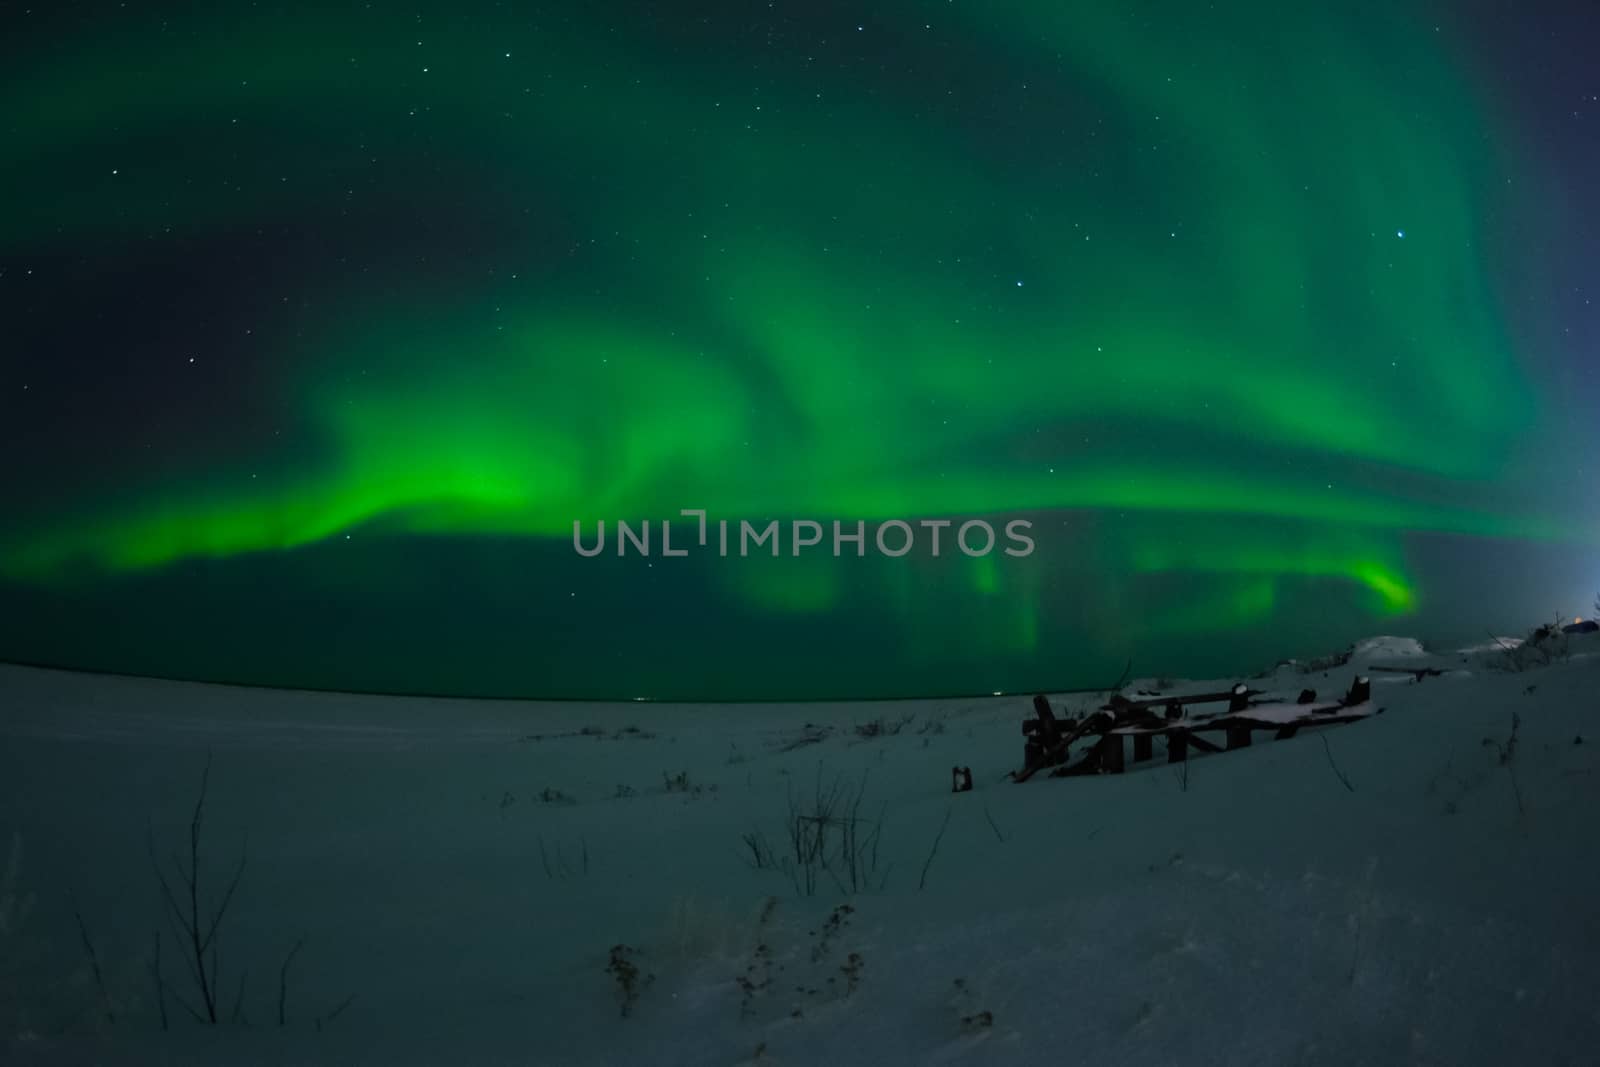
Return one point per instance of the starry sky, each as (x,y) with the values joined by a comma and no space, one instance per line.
(324,322)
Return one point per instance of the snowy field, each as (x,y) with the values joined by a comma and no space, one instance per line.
(1414,888)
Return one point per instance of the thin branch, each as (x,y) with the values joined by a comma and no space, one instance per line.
(1516,789)
(227,898)
(182,895)
(1122,680)
(992,825)
(283,979)
(94,962)
(1328,751)
(160,983)
(934,851)
(335,1013)
(238,1000)
(186,1006)
(1504,647)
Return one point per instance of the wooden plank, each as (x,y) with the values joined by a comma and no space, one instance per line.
(1108,727)
(1120,702)
(1049,728)
(1110,748)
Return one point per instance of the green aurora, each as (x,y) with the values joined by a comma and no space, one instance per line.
(1222,274)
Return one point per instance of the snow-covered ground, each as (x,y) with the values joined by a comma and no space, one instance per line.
(1401,890)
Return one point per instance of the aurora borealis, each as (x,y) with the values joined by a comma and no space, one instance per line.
(326,321)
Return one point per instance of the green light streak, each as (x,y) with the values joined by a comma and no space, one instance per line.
(813,311)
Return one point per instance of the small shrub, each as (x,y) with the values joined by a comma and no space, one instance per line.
(827,836)
(851,969)
(629,979)
(755,981)
(882,727)
(758,852)
(1547,644)
(1508,754)
(1508,747)
(559,866)
(757,976)
(973,1019)
(831,929)
(810,734)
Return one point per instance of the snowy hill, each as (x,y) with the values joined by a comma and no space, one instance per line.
(1414,888)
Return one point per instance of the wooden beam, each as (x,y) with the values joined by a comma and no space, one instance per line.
(1122,703)
(1111,753)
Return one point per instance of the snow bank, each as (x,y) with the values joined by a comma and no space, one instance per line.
(1409,888)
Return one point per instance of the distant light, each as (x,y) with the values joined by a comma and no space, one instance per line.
(1400,234)
(1019,285)
(999,692)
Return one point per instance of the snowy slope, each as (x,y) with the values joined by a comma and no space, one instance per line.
(1387,891)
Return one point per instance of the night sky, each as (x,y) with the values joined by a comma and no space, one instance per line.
(320,325)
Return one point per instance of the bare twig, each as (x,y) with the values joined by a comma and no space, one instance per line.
(561,868)
(335,1013)
(283,980)
(992,825)
(94,963)
(1328,751)
(1122,679)
(1508,755)
(195,930)
(922,882)
(758,852)
(160,983)
(238,1000)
